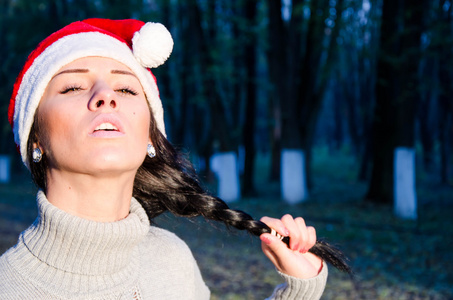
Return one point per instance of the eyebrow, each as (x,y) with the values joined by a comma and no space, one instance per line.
(71,71)
(122,72)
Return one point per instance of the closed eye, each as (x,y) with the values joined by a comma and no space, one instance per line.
(127,90)
(70,89)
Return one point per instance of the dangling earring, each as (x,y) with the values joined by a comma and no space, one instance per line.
(151,151)
(37,155)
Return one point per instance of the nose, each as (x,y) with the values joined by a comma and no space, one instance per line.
(103,97)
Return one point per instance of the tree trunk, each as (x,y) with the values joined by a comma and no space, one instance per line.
(351,94)
(380,189)
(250,111)
(314,75)
(445,79)
(224,163)
(427,112)
(293,157)
(396,102)
(277,36)
(425,128)
(225,166)
(405,191)
(367,154)
(367,99)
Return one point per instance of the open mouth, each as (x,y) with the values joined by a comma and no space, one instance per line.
(106,127)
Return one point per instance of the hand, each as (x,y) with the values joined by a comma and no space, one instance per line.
(295,260)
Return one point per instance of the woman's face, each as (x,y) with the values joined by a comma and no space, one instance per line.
(94,118)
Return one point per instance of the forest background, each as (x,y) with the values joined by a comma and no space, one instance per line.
(347,86)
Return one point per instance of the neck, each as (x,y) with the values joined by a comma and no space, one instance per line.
(103,198)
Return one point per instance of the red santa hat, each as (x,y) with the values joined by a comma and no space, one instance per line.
(136,44)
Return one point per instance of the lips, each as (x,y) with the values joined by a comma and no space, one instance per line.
(106,125)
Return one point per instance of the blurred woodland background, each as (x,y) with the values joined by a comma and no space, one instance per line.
(368,81)
(261,76)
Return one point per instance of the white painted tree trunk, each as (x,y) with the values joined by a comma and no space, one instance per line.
(5,169)
(405,202)
(225,167)
(293,176)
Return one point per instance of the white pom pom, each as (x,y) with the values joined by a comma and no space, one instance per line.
(152,45)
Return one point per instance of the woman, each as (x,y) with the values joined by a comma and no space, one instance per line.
(88,123)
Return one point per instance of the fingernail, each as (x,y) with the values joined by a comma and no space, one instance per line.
(286,232)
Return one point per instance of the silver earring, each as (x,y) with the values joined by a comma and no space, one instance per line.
(37,155)
(151,151)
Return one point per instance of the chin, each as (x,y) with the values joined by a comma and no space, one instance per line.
(114,163)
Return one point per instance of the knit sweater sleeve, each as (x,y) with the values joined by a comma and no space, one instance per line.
(301,289)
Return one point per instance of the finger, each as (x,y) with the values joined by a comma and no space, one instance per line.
(276,224)
(311,237)
(304,237)
(266,240)
(294,232)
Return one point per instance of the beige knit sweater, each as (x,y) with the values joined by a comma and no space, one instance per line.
(61,256)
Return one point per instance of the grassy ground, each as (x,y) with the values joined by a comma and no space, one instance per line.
(392,258)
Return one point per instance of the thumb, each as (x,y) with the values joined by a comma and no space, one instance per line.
(273,247)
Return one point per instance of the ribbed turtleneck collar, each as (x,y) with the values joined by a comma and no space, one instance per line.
(76,254)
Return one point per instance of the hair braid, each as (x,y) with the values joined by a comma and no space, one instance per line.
(168,182)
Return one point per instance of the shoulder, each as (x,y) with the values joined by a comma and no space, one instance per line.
(165,245)
(165,238)
(11,282)
(165,235)
(168,263)
(5,267)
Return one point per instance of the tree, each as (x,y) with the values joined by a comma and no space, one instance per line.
(277,36)
(397,96)
(405,196)
(381,185)
(248,135)
(446,90)
(299,84)
(221,109)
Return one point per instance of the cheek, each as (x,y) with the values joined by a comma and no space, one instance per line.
(55,126)
(142,121)
(145,125)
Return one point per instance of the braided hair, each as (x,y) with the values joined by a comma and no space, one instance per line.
(168,182)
